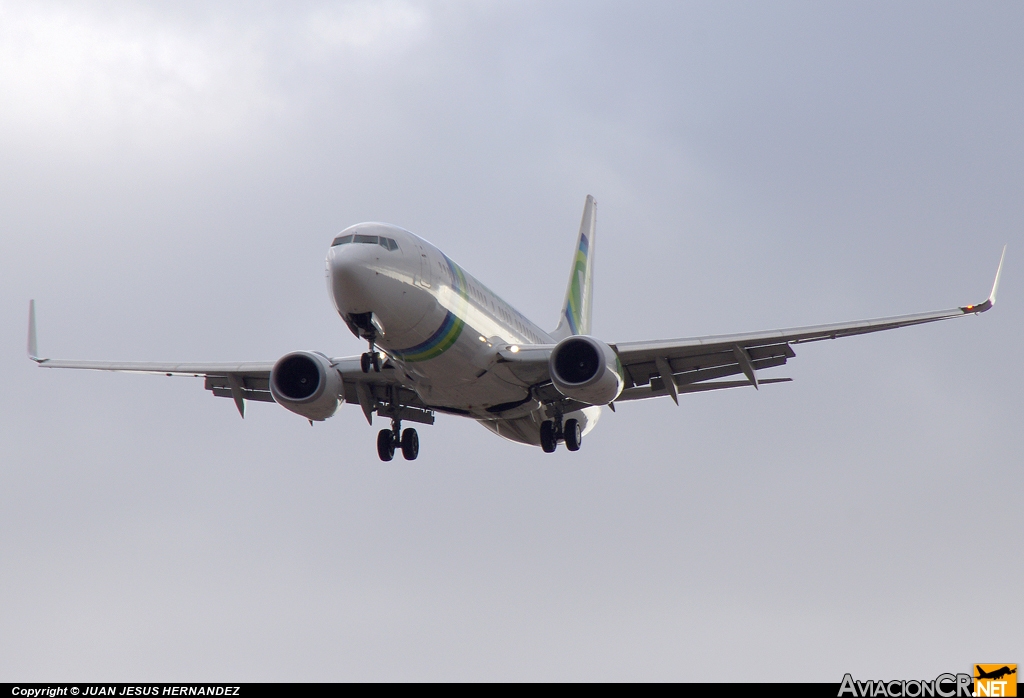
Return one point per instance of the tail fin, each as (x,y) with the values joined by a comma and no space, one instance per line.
(576,310)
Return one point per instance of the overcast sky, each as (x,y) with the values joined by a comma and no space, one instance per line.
(171,176)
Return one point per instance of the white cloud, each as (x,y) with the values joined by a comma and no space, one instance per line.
(371,27)
(76,78)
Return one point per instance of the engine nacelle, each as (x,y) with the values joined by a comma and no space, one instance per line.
(305,383)
(586,369)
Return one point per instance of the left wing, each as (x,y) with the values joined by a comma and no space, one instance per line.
(692,362)
(696,363)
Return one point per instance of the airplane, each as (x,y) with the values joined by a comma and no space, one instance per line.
(995,674)
(439,341)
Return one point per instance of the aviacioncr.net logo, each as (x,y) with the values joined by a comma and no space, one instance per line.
(942,686)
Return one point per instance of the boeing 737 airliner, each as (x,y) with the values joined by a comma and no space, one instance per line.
(440,341)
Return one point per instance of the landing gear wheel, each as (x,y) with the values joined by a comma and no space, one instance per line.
(548,437)
(573,434)
(370,359)
(410,444)
(385,444)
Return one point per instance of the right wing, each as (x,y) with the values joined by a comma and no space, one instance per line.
(250,380)
(242,380)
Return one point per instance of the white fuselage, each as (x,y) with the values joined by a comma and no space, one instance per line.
(440,326)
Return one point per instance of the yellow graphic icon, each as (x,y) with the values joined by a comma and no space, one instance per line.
(995,680)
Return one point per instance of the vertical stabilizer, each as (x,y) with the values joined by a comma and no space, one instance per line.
(576,310)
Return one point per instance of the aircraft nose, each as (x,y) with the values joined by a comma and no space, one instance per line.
(350,279)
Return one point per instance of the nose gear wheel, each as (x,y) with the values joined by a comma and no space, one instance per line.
(370,360)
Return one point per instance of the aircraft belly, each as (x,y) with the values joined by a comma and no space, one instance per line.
(526,429)
(461,376)
(447,384)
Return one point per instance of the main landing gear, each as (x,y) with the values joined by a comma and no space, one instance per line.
(552,431)
(388,440)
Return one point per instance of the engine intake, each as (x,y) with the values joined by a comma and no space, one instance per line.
(297,377)
(305,383)
(586,369)
(577,363)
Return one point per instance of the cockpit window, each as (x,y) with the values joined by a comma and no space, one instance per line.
(386,243)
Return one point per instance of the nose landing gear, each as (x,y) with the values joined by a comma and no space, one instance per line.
(552,431)
(370,359)
(365,326)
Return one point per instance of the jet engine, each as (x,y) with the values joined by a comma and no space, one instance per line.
(305,383)
(586,369)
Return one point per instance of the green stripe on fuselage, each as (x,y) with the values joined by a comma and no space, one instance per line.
(448,333)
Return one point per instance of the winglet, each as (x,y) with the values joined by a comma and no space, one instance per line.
(33,347)
(995,284)
(991,301)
